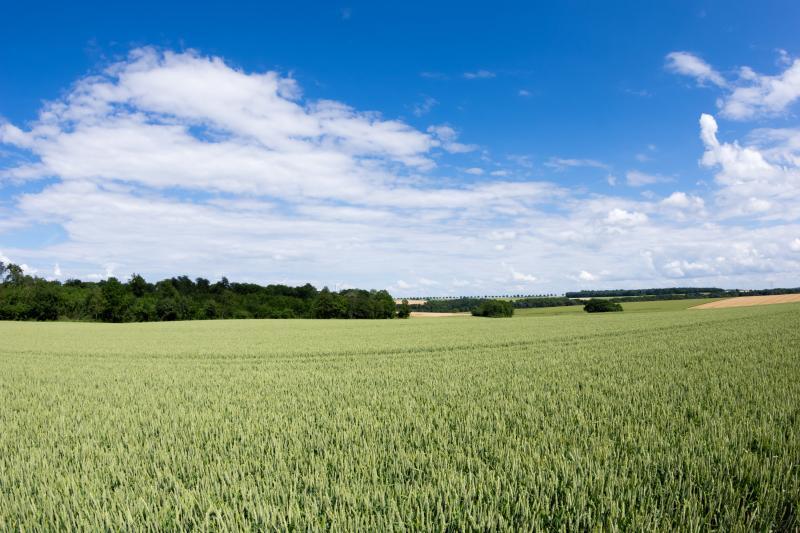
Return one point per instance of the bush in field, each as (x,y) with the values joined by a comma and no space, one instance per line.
(494,309)
(601,306)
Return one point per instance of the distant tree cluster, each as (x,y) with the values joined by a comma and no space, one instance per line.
(670,291)
(456,305)
(468,304)
(528,303)
(24,297)
(596,305)
(494,309)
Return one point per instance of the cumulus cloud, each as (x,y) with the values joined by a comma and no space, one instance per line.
(171,163)
(749,182)
(620,217)
(522,277)
(681,200)
(691,65)
(750,95)
(586,276)
(760,95)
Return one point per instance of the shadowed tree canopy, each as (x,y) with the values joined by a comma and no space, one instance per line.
(24,297)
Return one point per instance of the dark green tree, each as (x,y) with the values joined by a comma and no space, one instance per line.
(494,309)
(596,305)
(403,310)
(329,305)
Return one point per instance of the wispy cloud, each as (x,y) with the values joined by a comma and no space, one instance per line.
(479,75)
(560,163)
(750,94)
(691,65)
(424,107)
(434,75)
(635,178)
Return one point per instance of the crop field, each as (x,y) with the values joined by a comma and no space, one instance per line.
(745,301)
(664,418)
(630,307)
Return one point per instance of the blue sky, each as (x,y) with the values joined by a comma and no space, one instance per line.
(428,148)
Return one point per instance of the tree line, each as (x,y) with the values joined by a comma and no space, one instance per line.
(25,297)
(467,304)
(676,293)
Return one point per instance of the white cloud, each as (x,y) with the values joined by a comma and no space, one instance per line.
(168,164)
(621,217)
(750,96)
(424,107)
(503,235)
(479,74)
(763,95)
(475,171)
(524,93)
(749,182)
(636,178)
(57,271)
(519,276)
(795,245)
(434,75)
(586,276)
(689,64)
(612,180)
(681,200)
(499,173)
(446,138)
(559,163)
(683,268)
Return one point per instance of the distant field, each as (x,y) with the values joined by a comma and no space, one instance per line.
(746,301)
(653,419)
(629,307)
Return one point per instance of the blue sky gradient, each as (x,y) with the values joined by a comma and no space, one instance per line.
(427,148)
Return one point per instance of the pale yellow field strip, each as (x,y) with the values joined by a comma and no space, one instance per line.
(745,301)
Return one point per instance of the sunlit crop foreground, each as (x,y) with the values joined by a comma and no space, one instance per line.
(660,419)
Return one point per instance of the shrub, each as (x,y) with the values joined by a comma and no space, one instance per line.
(494,309)
(601,306)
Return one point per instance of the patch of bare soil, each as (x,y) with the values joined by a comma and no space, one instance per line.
(745,301)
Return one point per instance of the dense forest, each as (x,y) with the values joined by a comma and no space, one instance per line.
(24,297)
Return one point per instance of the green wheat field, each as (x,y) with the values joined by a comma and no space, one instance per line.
(657,418)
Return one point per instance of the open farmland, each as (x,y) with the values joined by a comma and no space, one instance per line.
(747,301)
(659,419)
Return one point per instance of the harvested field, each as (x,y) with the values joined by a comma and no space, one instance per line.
(423,314)
(746,301)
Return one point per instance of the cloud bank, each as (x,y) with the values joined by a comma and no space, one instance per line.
(169,163)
